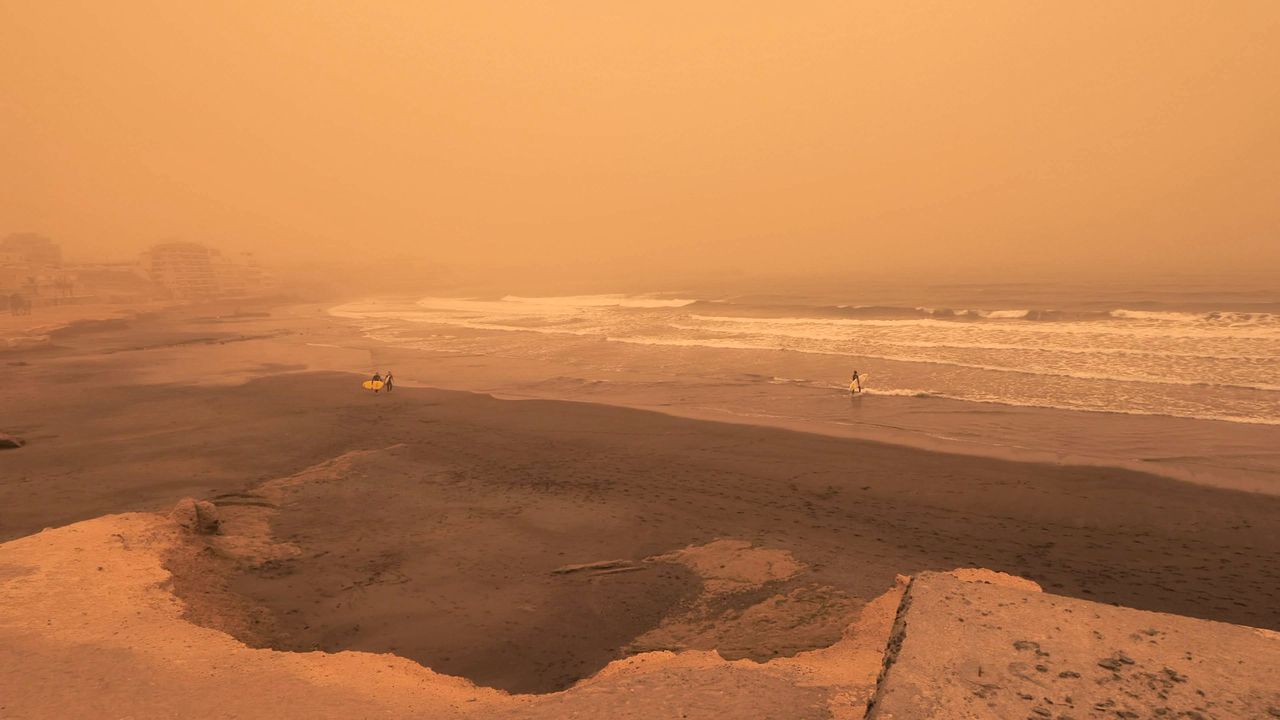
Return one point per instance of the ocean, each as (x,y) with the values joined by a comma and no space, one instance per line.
(1181,357)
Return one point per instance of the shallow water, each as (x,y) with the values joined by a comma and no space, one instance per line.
(1203,364)
(1182,386)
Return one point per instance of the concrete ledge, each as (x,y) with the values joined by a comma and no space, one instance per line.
(976,650)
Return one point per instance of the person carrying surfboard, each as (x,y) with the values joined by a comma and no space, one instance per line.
(377,381)
(855,386)
(388,381)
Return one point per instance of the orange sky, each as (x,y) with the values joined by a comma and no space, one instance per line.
(594,136)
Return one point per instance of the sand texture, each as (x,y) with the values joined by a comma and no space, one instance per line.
(963,650)
(204,519)
(90,627)
(462,480)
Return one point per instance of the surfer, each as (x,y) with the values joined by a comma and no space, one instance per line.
(855,386)
(388,381)
(377,378)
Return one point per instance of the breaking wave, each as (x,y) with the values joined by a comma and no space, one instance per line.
(1150,360)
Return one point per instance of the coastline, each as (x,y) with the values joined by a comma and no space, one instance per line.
(522,555)
(197,402)
(673,380)
(305,336)
(1213,453)
(24,332)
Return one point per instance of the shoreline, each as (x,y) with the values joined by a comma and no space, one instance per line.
(538,545)
(305,336)
(1151,367)
(135,418)
(1217,453)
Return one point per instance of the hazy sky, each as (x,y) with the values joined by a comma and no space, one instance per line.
(596,136)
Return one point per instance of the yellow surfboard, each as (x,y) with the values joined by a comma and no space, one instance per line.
(373,384)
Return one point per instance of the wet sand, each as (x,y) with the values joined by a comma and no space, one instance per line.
(440,544)
(806,391)
(401,554)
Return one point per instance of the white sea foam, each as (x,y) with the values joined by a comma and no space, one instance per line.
(597,301)
(1003,314)
(1228,318)
(1152,315)
(1185,330)
(1021,369)
(995,400)
(1209,365)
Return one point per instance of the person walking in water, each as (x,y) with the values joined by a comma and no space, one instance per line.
(388,381)
(855,386)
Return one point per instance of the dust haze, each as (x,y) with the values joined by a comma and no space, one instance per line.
(529,360)
(654,141)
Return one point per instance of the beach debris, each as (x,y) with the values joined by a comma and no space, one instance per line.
(10,442)
(197,516)
(1117,660)
(1030,645)
(603,567)
(243,499)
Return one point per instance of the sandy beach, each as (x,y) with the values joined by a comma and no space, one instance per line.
(439,524)
(639,361)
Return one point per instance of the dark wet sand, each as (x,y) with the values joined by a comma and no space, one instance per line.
(447,542)
(400,554)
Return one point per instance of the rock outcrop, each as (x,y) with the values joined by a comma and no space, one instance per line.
(993,649)
(197,516)
(89,627)
(10,442)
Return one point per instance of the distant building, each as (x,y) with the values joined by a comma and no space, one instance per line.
(30,249)
(184,269)
(236,276)
(115,282)
(30,272)
(190,270)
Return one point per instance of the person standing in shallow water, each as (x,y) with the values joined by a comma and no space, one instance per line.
(388,381)
(855,385)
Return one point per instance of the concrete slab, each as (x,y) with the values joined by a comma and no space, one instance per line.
(972,650)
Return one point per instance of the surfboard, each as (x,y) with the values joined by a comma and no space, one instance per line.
(373,384)
(853,385)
